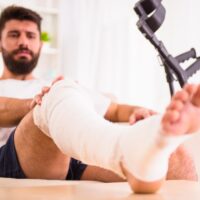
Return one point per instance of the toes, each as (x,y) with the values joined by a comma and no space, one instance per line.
(190,89)
(196,97)
(181,96)
(186,94)
(171,116)
(190,92)
(176,105)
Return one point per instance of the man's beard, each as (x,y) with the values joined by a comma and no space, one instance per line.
(22,66)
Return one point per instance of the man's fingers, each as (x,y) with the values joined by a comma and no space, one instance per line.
(45,90)
(152,112)
(140,114)
(37,100)
(33,103)
(132,119)
(137,116)
(57,79)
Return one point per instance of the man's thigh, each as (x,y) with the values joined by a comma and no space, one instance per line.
(11,168)
(38,155)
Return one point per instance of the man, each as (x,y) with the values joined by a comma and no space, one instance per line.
(29,151)
(20,46)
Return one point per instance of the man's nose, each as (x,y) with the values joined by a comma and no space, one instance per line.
(23,40)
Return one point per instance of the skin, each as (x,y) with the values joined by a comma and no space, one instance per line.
(20,33)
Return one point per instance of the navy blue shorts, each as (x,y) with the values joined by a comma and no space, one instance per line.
(10,167)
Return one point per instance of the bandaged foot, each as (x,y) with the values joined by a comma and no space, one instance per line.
(68,116)
(179,121)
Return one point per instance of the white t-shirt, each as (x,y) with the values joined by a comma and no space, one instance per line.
(29,88)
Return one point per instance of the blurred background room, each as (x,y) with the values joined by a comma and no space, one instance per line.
(97,43)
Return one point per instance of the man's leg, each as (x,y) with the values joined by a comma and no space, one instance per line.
(39,157)
(36,151)
(68,117)
(181,165)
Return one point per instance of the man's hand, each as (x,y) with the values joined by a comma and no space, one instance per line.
(140,113)
(127,113)
(37,100)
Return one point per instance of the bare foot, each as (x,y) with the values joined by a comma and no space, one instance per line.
(183,114)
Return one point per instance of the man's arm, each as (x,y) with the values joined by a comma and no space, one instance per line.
(127,113)
(12,110)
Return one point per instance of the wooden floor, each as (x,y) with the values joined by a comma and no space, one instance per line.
(11,189)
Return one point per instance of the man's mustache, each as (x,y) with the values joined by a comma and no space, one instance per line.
(20,50)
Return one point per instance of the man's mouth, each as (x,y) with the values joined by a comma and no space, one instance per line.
(23,53)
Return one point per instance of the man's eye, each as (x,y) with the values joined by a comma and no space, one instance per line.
(13,35)
(31,36)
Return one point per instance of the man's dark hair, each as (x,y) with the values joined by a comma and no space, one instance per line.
(19,13)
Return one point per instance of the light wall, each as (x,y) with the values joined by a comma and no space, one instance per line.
(104,50)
